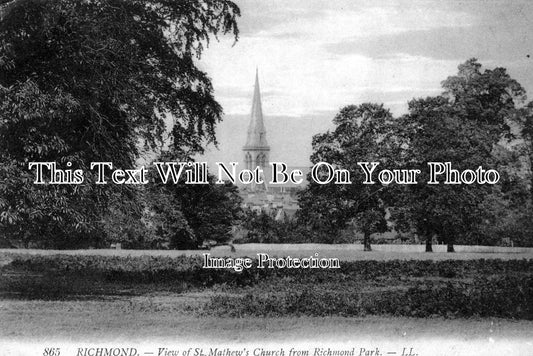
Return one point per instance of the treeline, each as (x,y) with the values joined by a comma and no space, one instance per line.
(480,119)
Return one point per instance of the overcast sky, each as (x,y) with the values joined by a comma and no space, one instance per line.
(315,57)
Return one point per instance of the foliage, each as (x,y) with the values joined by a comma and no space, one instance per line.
(463,126)
(507,215)
(132,225)
(84,81)
(261,227)
(495,297)
(525,120)
(487,97)
(187,215)
(468,126)
(211,210)
(350,270)
(361,134)
(269,227)
(522,226)
(59,215)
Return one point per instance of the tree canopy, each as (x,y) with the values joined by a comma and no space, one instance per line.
(469,125)
(94,80)
(361,134)
(464,126)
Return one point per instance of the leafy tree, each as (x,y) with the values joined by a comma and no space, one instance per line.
(262,227)
(507,215)
(518,216)
(464,127)
(361,134)
(211,210)
(131,223)
(524,118)
(487,97)
(187,215)
(89,80)
(436,135)
(166,222)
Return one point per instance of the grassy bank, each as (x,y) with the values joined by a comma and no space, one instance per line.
(412,288)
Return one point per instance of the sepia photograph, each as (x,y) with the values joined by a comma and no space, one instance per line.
(266,177)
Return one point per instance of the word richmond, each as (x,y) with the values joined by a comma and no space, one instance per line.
(265,261)
(197,173)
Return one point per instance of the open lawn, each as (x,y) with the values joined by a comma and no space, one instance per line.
(126,321)
(345,252)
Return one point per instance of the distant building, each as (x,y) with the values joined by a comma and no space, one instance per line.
(280,198)
(256,149)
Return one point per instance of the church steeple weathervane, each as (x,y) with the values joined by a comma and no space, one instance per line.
(256,150)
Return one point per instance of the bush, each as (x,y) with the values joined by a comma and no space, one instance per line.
(502,297)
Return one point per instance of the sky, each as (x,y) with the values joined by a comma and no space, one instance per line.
(314,57)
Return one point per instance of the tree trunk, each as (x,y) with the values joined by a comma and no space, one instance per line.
(429,248)
(366,242)
(450,247)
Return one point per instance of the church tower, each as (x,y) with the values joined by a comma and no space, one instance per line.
(256,149)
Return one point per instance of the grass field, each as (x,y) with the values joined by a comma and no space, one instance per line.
(124,319)
(92,309)
(345,252)
(29,326)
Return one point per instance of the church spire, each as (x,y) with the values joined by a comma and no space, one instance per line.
(256,138)
(256,149)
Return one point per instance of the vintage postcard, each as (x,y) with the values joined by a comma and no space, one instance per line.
(266,177)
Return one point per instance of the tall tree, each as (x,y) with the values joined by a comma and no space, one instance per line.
(187,215)
(360,135)
(525,120)
(488,97)
(463,126)
(518,198)
(88,80)
(435,134)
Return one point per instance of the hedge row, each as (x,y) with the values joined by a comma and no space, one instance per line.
(162,268)
(451,288)
(509,297)
(88,263)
